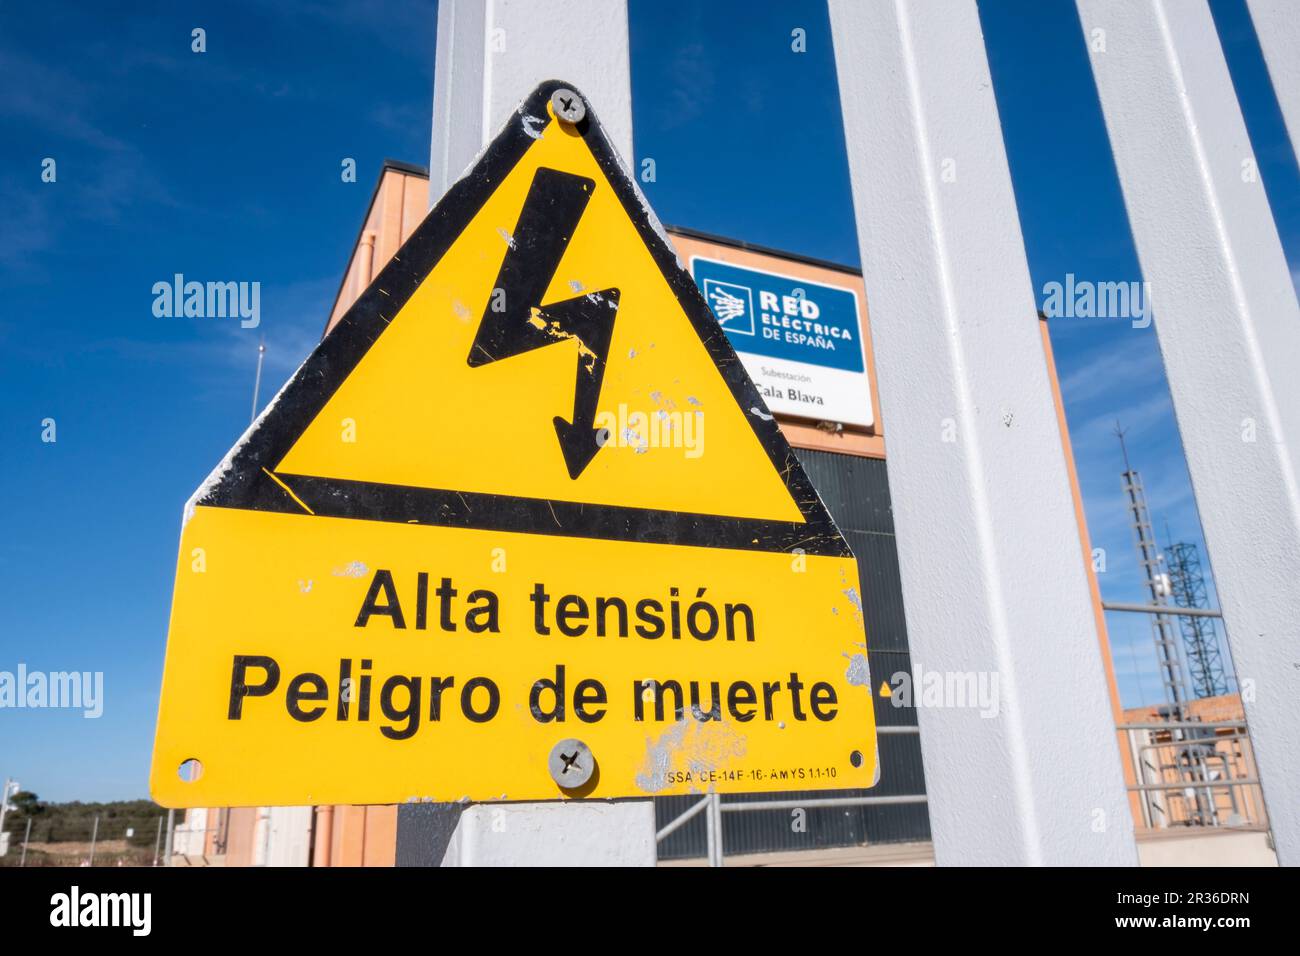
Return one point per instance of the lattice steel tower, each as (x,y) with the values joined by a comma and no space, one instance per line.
(1200,636)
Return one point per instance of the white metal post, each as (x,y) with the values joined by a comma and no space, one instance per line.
(589,833)
(1278,27)
(169,845)
(288,836)
(490,55)
(1228,323)
(4,801)
(989,549)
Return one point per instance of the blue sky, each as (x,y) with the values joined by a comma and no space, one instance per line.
(225,165)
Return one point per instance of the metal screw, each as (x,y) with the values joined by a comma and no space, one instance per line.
(571,763)
(568,105)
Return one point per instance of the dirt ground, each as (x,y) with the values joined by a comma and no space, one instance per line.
(107,853)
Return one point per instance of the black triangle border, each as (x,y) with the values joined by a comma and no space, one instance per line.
(247,484)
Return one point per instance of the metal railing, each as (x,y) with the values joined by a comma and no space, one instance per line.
(1191,772)
(712,806)
(1167,610)
(1195,773)
(1188,772)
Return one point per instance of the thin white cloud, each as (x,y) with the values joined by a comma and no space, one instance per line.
(1113,370)
(107,177)
(1139,419)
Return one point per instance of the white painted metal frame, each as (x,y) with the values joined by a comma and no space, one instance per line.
(590,833)
(989,550)
(1277,24)
(1228,323)
(981,496)
(490,55)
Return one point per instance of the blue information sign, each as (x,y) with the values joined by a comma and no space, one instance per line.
(809,333)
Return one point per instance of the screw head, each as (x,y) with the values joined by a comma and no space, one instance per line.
(568,105)
(571,763)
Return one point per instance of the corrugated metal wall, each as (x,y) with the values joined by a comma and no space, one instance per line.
(856,492)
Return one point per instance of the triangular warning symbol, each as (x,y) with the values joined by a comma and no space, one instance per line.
(534,359)
(522,503)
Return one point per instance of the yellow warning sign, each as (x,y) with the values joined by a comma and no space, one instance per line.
(520,528)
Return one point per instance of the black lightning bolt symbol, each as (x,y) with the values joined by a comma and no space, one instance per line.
(515,320)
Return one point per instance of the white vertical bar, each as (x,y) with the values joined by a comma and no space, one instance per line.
(1277,24)
(989,548)
(492,53)
(710,832)
(289,836)
(716,850)
(587,834)
(1229,328)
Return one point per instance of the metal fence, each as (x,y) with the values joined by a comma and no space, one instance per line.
(96,840)
(1195,773)
(709,825)
(1190,774)
(855,491)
